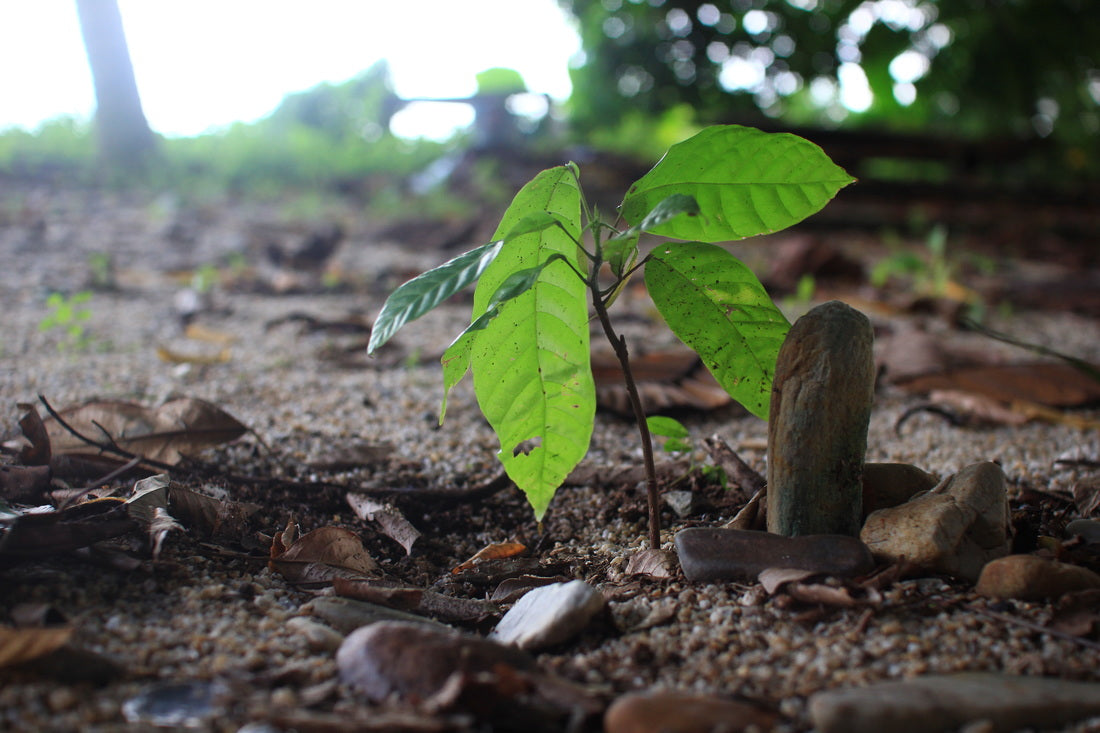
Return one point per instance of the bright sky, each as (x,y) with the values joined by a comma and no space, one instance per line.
(201,64)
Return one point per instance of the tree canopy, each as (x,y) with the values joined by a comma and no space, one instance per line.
(974,68)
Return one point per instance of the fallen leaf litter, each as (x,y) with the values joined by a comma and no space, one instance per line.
(205,615)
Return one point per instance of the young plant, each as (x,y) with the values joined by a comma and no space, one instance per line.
(69,315)
(528,340)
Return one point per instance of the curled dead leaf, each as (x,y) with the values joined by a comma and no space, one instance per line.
(392,522)
(22,645)
(321,555)
(495,551)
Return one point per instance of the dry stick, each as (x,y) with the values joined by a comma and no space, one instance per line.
(727,459)
(70,500)
(618,343)
(111,447)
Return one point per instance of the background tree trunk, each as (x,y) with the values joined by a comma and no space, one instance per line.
(125,139)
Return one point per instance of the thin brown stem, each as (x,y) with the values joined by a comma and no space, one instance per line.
(618,343)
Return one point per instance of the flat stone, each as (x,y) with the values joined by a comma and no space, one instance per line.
(817,429)
(737,554)
(681,712)
(948,702)
(890,484)
(414,661)
(1086,529)
(1032,578)
(549,615)
(954,529)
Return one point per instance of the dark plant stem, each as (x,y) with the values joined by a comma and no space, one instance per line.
(618,343)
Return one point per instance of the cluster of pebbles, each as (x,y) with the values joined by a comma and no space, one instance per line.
(207,614)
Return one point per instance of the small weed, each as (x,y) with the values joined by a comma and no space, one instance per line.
(205,278)
(101,272)
(678,440)
(68,314)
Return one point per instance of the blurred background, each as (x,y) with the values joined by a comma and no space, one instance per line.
(971,113)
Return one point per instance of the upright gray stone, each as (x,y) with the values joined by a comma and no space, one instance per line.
(817,431)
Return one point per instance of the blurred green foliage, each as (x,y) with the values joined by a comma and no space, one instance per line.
(1010,69)
(334,137)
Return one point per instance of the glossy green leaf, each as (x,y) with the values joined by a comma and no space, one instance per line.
(667,427)
(532,375)
(716,305)
(745,181)
(458,353)
(532,223)
(427,290)
(531,365)
(666,210)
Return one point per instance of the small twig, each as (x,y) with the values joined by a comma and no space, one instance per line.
(1086,368)
(113,447)
(70,500)
(1079,462)
(727,459)
(493,486)
(1036,627)
(952,419)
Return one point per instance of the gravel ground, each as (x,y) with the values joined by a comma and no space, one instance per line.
(201,613)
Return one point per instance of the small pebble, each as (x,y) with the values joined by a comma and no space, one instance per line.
(549,615)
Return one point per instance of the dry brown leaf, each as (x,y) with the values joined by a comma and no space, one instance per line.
(425,602)
(978,407)
(321,555)
(24,484)
(512,588)
(389,518)
(495,551)
(210,517)
(22,645)
(666,380)
(827,595)
(175,355)
(37,453)
(53,533)
(1048,384)
(179,427)
(1086,495)
(772,579)
(654,563)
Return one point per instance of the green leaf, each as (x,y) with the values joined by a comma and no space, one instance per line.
(746,182)
(668,209)
(532,223)
(620,251)
(532,375)
(458,353)
(429,289)
(667,427)
(715,305)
